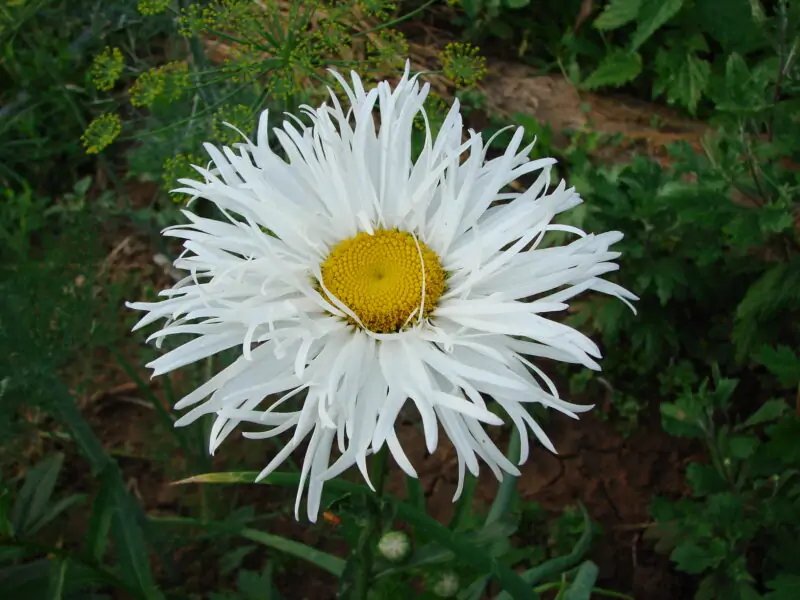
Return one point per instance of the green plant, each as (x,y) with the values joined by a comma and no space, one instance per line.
(737,530)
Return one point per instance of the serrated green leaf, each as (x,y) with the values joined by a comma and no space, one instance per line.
(617,13)
(652,15)
(682,418)
(704,479)
(682,76)
(617,68)
(231,561)
(771,410)
(730,22)
(723,392)
(517,3)
(692,558)
(782,362)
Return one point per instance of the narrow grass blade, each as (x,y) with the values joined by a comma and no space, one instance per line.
(35,493)
(58,572)
(467,552)
(331,564)
(128,516)
(100,520)
(55,510)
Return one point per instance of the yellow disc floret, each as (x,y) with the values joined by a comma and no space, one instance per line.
(379,277)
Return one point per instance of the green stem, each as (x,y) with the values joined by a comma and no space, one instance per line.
(367,541)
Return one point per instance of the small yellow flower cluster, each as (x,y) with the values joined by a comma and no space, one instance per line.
(166,82)
(152,7)
(101,132)
(240,116)
(389,50)
(243,18)
(377,8)
(462,64)
(106,68)
(436,109)
(178,167)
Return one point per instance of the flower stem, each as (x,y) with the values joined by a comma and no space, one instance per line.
(367,541)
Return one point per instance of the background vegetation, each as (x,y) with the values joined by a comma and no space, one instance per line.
(104,104)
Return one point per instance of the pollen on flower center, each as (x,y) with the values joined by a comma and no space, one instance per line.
(379,277)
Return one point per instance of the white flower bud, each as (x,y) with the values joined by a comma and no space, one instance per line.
(394,545)
(445,584)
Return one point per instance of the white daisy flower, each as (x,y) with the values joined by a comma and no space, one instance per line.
(356,279)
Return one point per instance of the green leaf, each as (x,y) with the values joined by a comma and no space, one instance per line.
(782,362)
(784,587)
(691,558)
(102,511)
(517,3)
(776,291)
(27,580)
(682,75)
(58,571)
(254,586)
(771,410)
(581,588)
(232,561)
(502,500)
(617,68)
(415,495)
(668,277)
(730,22)
(466,552)
(556,566)
(129,543)
(617,13)
(742,447)
(35,494)
(704,479)
(429,554)
(331,564)
(55,510)
(128,514)
(508,486)
(470,555)
(652,15)
(682,418)
(464,503)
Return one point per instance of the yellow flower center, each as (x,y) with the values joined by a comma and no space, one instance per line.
(379,277)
